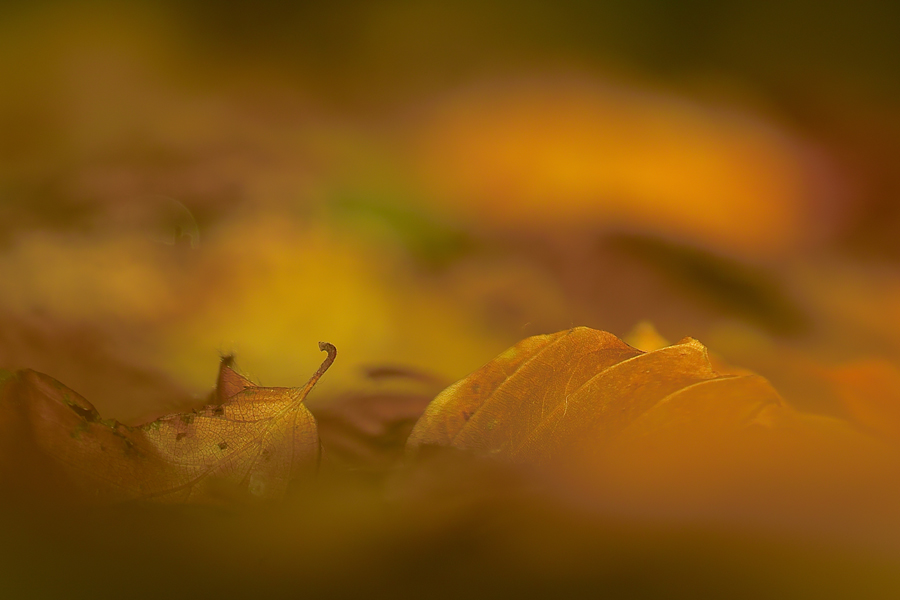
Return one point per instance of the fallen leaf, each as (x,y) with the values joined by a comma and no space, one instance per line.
(582,388)
(251,443)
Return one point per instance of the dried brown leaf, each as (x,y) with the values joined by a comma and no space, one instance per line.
(250,444)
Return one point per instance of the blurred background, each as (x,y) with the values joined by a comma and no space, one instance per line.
(423,184)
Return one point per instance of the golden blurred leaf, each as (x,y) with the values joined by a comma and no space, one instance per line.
(645,337)
(535,153)
(577,390)
(870,391)
(249,444)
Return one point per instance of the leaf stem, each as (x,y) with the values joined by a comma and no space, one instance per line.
(332,354)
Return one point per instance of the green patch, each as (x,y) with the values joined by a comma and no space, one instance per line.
(509,354)
(76,433)
(429,240)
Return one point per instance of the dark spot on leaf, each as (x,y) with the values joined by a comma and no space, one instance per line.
(84,413)
(223,445)
(129,447)
(219,411)
(180,436)
(187,419)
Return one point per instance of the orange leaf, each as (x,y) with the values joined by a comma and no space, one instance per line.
(582,388)
(662,432)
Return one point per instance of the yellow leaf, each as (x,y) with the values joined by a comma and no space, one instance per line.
(645,337)
(250,444)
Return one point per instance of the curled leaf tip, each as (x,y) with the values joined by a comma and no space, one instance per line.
(695,344)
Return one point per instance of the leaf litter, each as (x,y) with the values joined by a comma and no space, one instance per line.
(593,436)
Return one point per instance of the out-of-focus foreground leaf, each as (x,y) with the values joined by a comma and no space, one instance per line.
(250,443)
(662,434)
(870,391)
